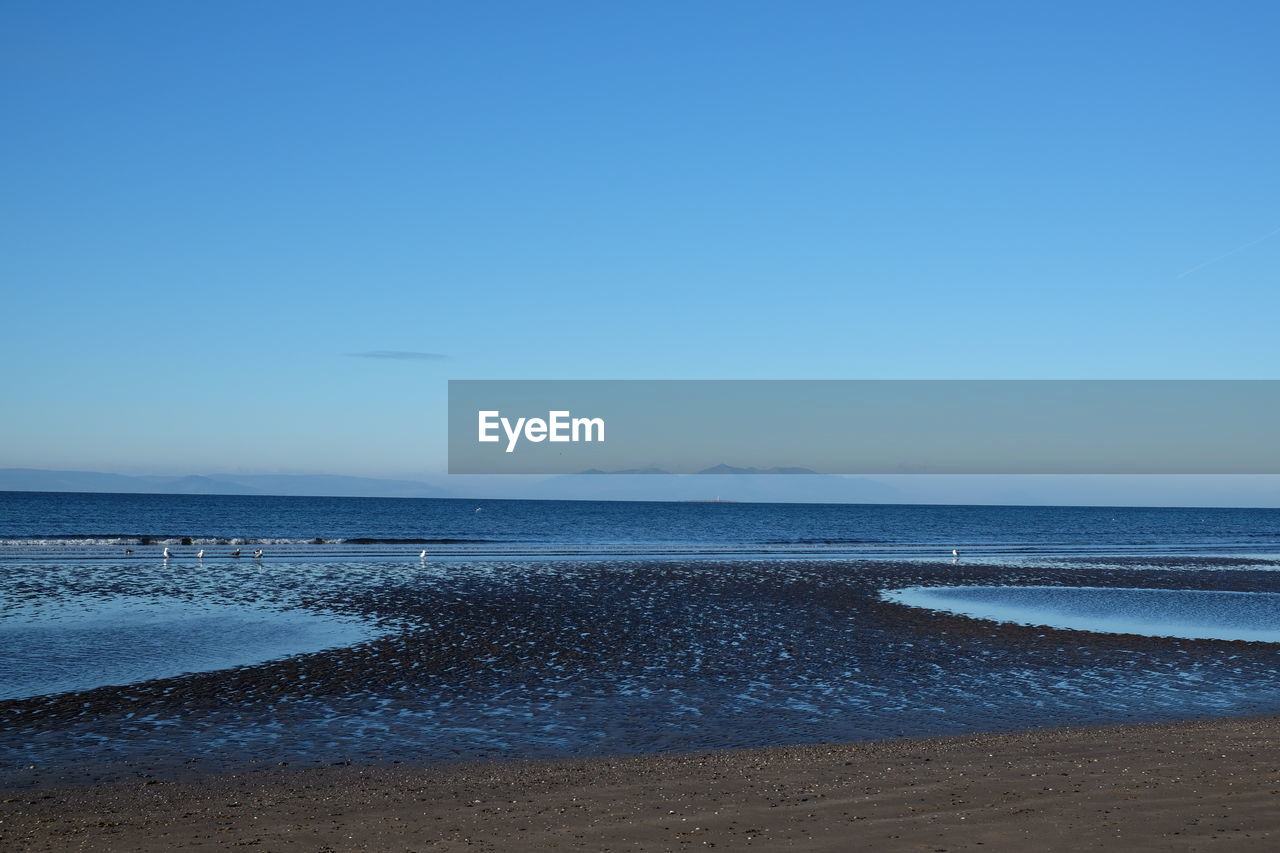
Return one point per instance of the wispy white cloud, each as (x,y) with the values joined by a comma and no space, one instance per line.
(399,355)
(1226,255)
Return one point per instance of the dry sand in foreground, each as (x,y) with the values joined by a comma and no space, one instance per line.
(1186,786)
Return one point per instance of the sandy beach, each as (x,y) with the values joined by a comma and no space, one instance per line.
(293,755)
(1185,786)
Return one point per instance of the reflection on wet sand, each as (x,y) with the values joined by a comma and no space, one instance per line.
(1191,614)
(519,659)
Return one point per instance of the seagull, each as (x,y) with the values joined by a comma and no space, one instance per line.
(128,550)
(479,508)
(166,552)
(955,553)
(257,555)
(200,554)
(423,555)
(235,553)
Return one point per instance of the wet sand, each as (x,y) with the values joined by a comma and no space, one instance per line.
(1202,785)
(505,662)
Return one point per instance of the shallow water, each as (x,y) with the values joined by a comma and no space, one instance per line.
(1187,613)
(54,645)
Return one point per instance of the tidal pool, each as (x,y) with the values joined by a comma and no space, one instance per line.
(87,642)
(1188,613)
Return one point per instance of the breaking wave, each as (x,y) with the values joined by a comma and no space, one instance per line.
(124,540)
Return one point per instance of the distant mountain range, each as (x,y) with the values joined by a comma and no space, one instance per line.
(713,470)
(318,485)
(725,482)
(745,485)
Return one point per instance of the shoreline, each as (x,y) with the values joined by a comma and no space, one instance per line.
(1151,786)
(698,656)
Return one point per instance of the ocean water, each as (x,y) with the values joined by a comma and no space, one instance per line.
(579,628)
(38,523)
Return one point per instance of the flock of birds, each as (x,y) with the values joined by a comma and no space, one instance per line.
(257,553)
(422,555)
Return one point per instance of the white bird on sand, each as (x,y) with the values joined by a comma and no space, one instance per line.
(166,552)
(257,555)
(423,555)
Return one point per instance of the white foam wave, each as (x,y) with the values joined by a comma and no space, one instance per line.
(157,541)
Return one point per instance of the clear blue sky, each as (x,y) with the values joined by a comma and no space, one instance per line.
(207,206)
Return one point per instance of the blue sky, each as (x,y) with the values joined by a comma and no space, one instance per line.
(208,207)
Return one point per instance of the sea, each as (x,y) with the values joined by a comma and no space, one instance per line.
(306,631)
(43,523)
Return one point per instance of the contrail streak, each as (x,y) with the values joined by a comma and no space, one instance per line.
(1248,245)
